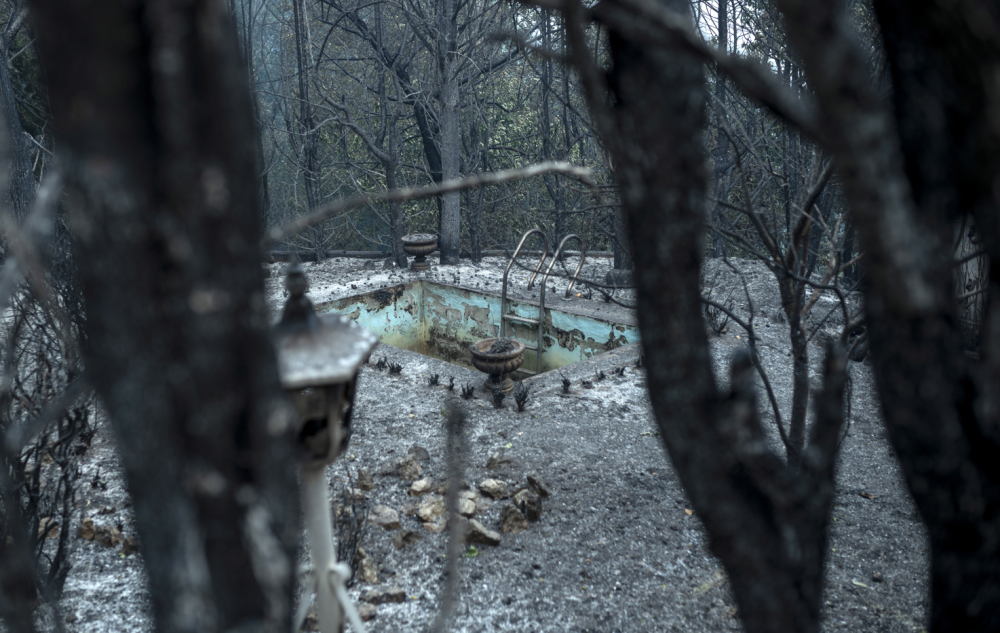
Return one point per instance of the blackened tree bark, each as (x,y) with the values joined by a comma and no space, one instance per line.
(908,180)
(722,151)
(245,23)
(451,122)
(622,246)
(851,275)
(15,148)
(155,130)
(766,520)
(307,132)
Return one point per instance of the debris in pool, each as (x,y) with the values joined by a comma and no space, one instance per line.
(434,380)
(501,346)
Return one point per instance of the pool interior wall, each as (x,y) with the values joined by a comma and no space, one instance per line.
(441,320)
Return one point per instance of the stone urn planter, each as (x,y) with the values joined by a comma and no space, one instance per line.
(497,357)
(420,245)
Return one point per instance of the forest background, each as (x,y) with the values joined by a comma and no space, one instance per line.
(884,108)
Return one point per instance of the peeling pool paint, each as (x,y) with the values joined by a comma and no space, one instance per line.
(440,320)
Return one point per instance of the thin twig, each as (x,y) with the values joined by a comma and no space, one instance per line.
(755,357)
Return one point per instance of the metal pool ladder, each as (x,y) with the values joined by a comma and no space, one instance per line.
(555,258)
(508,317)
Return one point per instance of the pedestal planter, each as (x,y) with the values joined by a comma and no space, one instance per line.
(420,245)
(497,357)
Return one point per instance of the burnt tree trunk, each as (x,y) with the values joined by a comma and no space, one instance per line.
(909,180)
(450,122)
(622,244)
(15,149)
(943,62)
(722,152)
(156,135)
(766,519)
(308,154)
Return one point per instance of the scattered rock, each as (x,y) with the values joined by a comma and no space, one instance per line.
(497,459)
(421,487)
(431,508)
(343,511)
(512,521)
(408,468)
(493,488)
(436,526)
(384,517)
(383,596)
(367,571)
(467,494)
(357,494)
(529,503)
(365,479)
(402,540)
(366,611)
(47,528)
(467,507)
(538,485)
(419,453)
(476,533)
(87,529)
(483,504)
(410,508)
(108,536)
(877,576)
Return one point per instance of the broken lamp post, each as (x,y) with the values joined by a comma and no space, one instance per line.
(318,360)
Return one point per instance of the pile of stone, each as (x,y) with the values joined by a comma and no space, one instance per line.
(522,505)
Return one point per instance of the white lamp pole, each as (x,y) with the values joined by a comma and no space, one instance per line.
(318,360)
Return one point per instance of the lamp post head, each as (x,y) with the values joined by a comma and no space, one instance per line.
(318,361)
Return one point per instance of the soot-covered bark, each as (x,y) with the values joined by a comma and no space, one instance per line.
(766,519)
(909,179)
(155,132)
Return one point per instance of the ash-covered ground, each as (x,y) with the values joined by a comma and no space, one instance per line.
(615,548)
